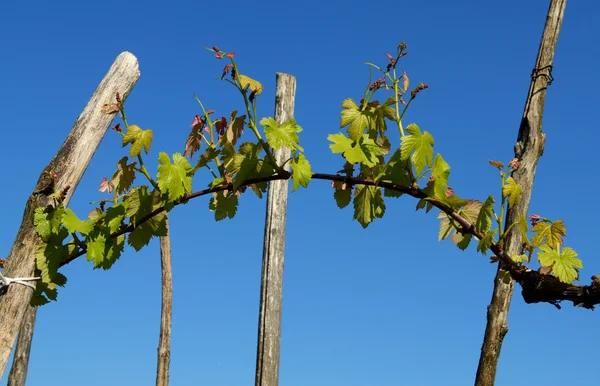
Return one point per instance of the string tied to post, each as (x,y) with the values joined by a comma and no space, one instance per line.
(7,281)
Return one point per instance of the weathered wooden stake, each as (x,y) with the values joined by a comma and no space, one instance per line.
(69,164)
(528,149)
(18,370)
(271,291)
(166,314)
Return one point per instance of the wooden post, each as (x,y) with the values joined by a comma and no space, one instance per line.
(271,289)
(528,149)
(166,314)
(18,371)
(69,164)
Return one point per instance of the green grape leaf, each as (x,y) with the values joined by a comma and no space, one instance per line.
(140,203)
(564,262)
(74,224)
(342,196)
(341,143)
(301,172)
(484,218)
(464,241)
(115,248)
(368,204)
(247,165)
(115,216)
(285,134)
(439,173)
(173,178)
(551,233)
(138,138)
(417,146)
(252,84)
(486,242)
(143,233)
(209,154)
(512,190)
(98,245)
(224,206)
(447,229)
(47,221)
(354,118)
(235,128)
(523,226)
(123,178)
(364,151)
(397,173)
(382,112)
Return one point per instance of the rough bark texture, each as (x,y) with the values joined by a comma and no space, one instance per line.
(69,163)
(271,292)
(528,149)
(164,343)
(18,371)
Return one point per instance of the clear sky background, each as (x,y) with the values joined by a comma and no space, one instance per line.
(384,306)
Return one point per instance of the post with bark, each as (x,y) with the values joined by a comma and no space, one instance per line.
(271,291)
(528,149)
(164,342)
(18,371)
(69,164)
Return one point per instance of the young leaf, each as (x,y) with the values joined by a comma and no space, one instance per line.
(342,196)
(368,204)
(439,173)
(523,227)
(192,145)
(223,206)
(97,248)
(140,203)
(47,221)
(512,190)
(285,134)
(447,227)
(252,84)
(497,164)
(354,118)
(365,151)
(116,247)
(138,138)
(484,218)
(235,128)
(301,172)
(564,262)
(552,233)
(464,242)
(340,144)
(486,242)
(143,233)
(380,113)
(123,178)
(173,178)
(209,154)
(247,164)
(417,146)
(74,224)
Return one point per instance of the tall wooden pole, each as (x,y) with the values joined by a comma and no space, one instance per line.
(18,370)
(528,149)
(271,291)
(69,164)
(166,314)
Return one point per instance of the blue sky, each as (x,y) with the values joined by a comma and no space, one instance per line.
(384,306)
